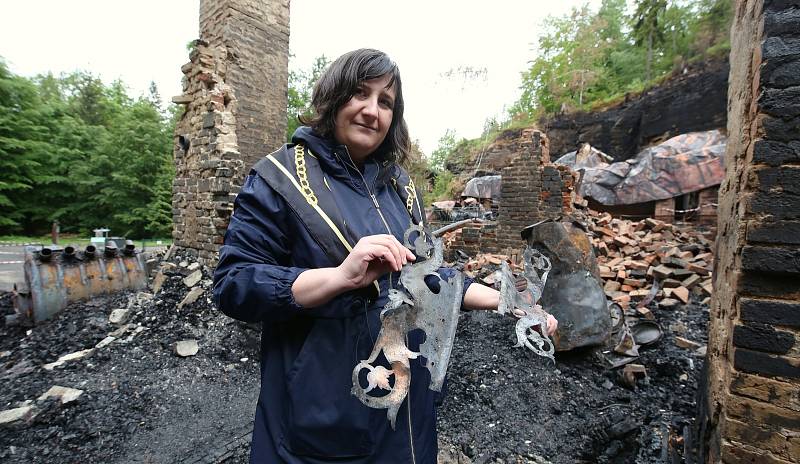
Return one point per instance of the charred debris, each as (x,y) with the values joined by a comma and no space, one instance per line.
(159,375)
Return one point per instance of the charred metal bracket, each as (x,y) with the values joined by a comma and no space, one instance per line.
(416,306)
(523,304)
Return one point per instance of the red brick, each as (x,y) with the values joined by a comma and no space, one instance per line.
(778,393)
(782,446)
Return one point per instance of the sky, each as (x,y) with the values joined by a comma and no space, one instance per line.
(433,42)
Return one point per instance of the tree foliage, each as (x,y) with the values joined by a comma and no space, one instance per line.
(648,28)
(301,87)
(23,146)
(84,153)
(586,57)
(437,158)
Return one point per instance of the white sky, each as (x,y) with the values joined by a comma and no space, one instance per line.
(146,41)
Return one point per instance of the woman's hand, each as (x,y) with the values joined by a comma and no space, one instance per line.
(372,257)
(552,325)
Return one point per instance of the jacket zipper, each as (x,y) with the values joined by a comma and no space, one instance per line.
(369,192)
(378,208)
(410,431)
(375,200)
(389,231)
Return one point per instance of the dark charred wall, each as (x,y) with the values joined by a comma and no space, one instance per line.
(234,92)
(753,400)
(687,102)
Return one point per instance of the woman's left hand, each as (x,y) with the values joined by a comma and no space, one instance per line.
(552,324)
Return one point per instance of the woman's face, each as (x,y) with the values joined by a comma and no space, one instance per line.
(363,122)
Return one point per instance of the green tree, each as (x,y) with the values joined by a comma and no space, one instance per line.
(442,187)
(22,145)
(711,32)
(568,66)
(586,58)
(301,88)
(86,97)
(622,63)
(437,159)
(648,28)
(87,154)
(138,148)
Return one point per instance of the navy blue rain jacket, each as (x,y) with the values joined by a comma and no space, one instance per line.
(305,412)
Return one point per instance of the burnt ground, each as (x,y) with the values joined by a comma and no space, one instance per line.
(143,403)
(507,405)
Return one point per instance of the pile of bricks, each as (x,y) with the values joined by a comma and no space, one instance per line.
(633,255)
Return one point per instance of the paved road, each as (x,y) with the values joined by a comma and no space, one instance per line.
(10,267)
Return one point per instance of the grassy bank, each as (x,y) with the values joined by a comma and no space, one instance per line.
(79,240)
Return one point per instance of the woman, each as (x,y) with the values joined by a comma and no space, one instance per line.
(311,251)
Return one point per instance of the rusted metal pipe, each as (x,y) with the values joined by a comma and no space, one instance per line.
(68,253)
(456,225)
(45,254)
(51,284)
(89,252)
(110,250)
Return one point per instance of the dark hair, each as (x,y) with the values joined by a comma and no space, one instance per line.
(340,82)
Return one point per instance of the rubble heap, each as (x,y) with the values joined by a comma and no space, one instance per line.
(631,399)
(130,377)
(637,258)
(506,405)
(162,376)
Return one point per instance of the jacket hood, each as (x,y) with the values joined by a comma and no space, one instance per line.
(320,146)
(336,161)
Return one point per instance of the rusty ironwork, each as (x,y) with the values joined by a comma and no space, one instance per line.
(524,304)
(456,225)
(416,306)
(55,277)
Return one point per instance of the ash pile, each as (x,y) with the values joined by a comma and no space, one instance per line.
(630,398)
(162,376)
(158,376)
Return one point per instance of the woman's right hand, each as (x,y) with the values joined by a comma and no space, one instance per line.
(372,257)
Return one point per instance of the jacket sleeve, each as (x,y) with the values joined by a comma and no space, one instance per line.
(446,273)
(253,281)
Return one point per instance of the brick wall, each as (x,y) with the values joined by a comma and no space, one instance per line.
(753,391)
(476,239)
(255,34)
(532,189)
(705,212)
(234,92)
(707,202)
